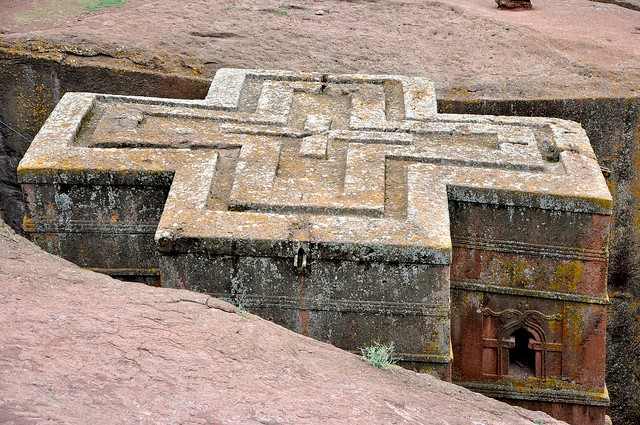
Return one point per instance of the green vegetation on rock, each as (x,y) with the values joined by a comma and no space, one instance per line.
(379,355)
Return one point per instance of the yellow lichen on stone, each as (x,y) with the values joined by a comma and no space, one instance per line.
(567,276)
(35,106)
(510,272)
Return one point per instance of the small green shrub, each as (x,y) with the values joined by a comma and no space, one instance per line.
(379,355)
(241,310)
(539,422)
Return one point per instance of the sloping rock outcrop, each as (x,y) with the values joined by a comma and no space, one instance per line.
(79,347)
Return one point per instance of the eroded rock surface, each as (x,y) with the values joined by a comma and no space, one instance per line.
(80,347)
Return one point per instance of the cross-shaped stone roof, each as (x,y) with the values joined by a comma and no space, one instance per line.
(361,165)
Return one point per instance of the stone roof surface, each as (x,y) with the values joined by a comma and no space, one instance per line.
(315,162)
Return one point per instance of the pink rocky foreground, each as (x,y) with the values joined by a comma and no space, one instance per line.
(77,347)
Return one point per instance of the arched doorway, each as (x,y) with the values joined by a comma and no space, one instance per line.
(515,344)
(522,358)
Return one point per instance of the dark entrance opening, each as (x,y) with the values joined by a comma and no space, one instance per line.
(522,359)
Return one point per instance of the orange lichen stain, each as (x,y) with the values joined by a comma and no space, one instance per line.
(562,277)
(431,370)
(556,328)
(36,106)
(459,92)
(635,191)
(28,224)
(114,217)
(510,272)
(567,276)
(538,383)
(74,55)
(575,330)
(422,94)
(431,345)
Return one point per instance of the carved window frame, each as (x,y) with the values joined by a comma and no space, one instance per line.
(511,320)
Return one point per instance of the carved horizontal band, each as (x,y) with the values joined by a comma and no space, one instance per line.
(86,226)
(342,306)
(525,248)
(418,358)
(423,358)
(127,271)
(553,395)
(534,293)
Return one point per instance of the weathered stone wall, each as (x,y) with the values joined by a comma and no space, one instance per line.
(613,127)
(32,86)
